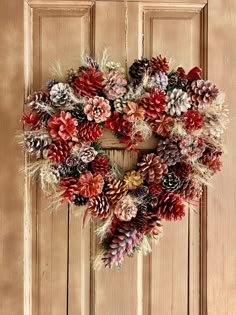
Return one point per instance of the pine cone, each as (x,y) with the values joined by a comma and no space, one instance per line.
(133,179)
(190,190)
(109,176)
(89,131)
(159,64)
(78,113)
(99,206)
(140,221)
(87,154)
(115,191)
(72,161)
(90,185)
(82,167)
(66,170)
(60,94)
(100,165)
(88,83)
(177,102)
(162,125)
(212,160)
(176,81)
(58,151)
(140,192)
(155,189)
(37,144)
(152,168)
(50,84)
(70,185)
(202,93)
(138,69)
(123,241)
(170,206)
(182,169)
(154,103)
(171,182)
(160,81)
(97,109)
(71,75)
(192,147)
(192,120)
(151,200)
(114,85)
(153,226)
(168,150)
(40,102)
(80,200)
(126,209)
(119,105)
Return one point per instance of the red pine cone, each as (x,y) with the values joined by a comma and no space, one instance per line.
(152,168)
(154,103)
(100,165)
(89,131)
(162,125)
(212,160)
(190,190)
(98,206)
(32,119)
(159,64)
(89,83)
(170,206)
(116,123)
(70,184)
(182,169)
(155,189)
(153,226)
(192,120)
(58,151)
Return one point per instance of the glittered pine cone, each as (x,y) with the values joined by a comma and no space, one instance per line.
(123,241)
(126,209)
(114,85)
(170,206)
(152,168)
(99,206)
(88,83)
(133,179)
(58,151)
(182,169)
(160,80)
(202,93)
(170,182)
(192,120)
(138,69)
(154,103)
(159,64)
(65,170)
(89,131)
(37,144)
(190,190)
(100,165)
(177,102)
(168,150)
(115,191)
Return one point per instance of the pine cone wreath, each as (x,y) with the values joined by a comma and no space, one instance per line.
(138,69)
(154,103)
(89,131)
(99,206)
(114,85)
(177,102)
(100,165)
(171,182)
(37,144)
(202,93)
(123,241)
(152,168)
(169,151)
(58,151)
(182,169)
(115,191)
(60,94)
(88,83)
(170,206)
(159,64)
(79,200)
(190,190)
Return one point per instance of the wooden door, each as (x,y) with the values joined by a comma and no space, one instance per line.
(50,248)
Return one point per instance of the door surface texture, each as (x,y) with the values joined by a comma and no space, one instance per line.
(46,254)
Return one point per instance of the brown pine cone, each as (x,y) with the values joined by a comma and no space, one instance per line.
(202,93)
(168,150)
(115,191)
(152,168)
(140,221)
(159,64)
(138,69)
(89,131)
(99,206)
(58,151)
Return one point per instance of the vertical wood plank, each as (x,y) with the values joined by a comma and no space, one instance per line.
(221,198)
(11,157)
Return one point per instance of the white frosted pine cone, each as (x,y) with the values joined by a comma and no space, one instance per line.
(60,94)
(177,102)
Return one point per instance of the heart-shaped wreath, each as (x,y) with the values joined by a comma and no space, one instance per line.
(67,119)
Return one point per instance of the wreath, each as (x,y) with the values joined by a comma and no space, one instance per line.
(65,123)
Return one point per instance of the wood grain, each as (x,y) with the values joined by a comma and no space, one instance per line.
(221,280)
